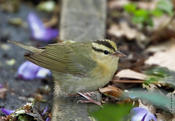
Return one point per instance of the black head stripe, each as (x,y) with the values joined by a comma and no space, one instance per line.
(98,50)
(105,43)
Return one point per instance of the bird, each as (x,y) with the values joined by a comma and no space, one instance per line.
(77,66)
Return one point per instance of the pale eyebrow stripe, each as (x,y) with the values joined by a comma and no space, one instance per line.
(105,43)
(100,47)
(114,43)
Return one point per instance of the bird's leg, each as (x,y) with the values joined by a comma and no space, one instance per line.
(88,95)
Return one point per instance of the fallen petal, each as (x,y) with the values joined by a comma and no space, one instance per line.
(138,113)
(48,119)
(39,31)
(45,110)
(36,26)
(1,86)
(150,117)
(7,111)
(50,34)
(29,71)
(43,72)
(142,114)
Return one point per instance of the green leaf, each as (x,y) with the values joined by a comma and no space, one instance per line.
(165,6)
(112,112)
(141,12)
(138,19)
(130,8)
(151,79)
(158,71)
(160,75)
(149,21)
(140,16)
(25,118)
(156,12)
(158,99)
(143,17)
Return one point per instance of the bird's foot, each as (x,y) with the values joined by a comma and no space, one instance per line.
(88,95)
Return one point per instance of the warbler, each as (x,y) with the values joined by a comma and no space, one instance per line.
(77,66)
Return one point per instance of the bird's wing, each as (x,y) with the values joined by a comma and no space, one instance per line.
(72,58)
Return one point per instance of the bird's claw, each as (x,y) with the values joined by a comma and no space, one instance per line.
(89,99)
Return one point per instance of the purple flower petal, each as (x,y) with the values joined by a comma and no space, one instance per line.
(29,71)
(45,110)
(35,23)
(141,114)
(150,116)
(36,26)
(1,86)
(39,32)
(50,34)
(143,119)
(6,111)
(42,73)
(48,119)
(138,113)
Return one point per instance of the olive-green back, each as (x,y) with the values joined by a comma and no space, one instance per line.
(71,58)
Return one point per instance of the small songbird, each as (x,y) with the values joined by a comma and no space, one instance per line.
(77,66)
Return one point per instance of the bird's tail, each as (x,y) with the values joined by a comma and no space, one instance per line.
(26,47)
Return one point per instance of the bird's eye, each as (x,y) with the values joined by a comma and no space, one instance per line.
(106,52)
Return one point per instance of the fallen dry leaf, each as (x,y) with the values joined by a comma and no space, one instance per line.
(10,6)
(112,91)
(3,92)
(163,58)
(160,22)
(164,116)
(3,118)
(148,5)
(141,4)
(133,81)
(117,3)
(163,29)
(160,47)
(5,47)
(11,62)
(173,119)
(130,74)
(17,22)
(123,29)
(38,97)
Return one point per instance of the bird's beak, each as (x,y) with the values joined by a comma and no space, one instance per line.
(119,54)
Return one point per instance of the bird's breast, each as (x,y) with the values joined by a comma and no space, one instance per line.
(99,76)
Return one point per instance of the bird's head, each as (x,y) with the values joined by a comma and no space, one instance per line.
(106,55)
(106,48)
